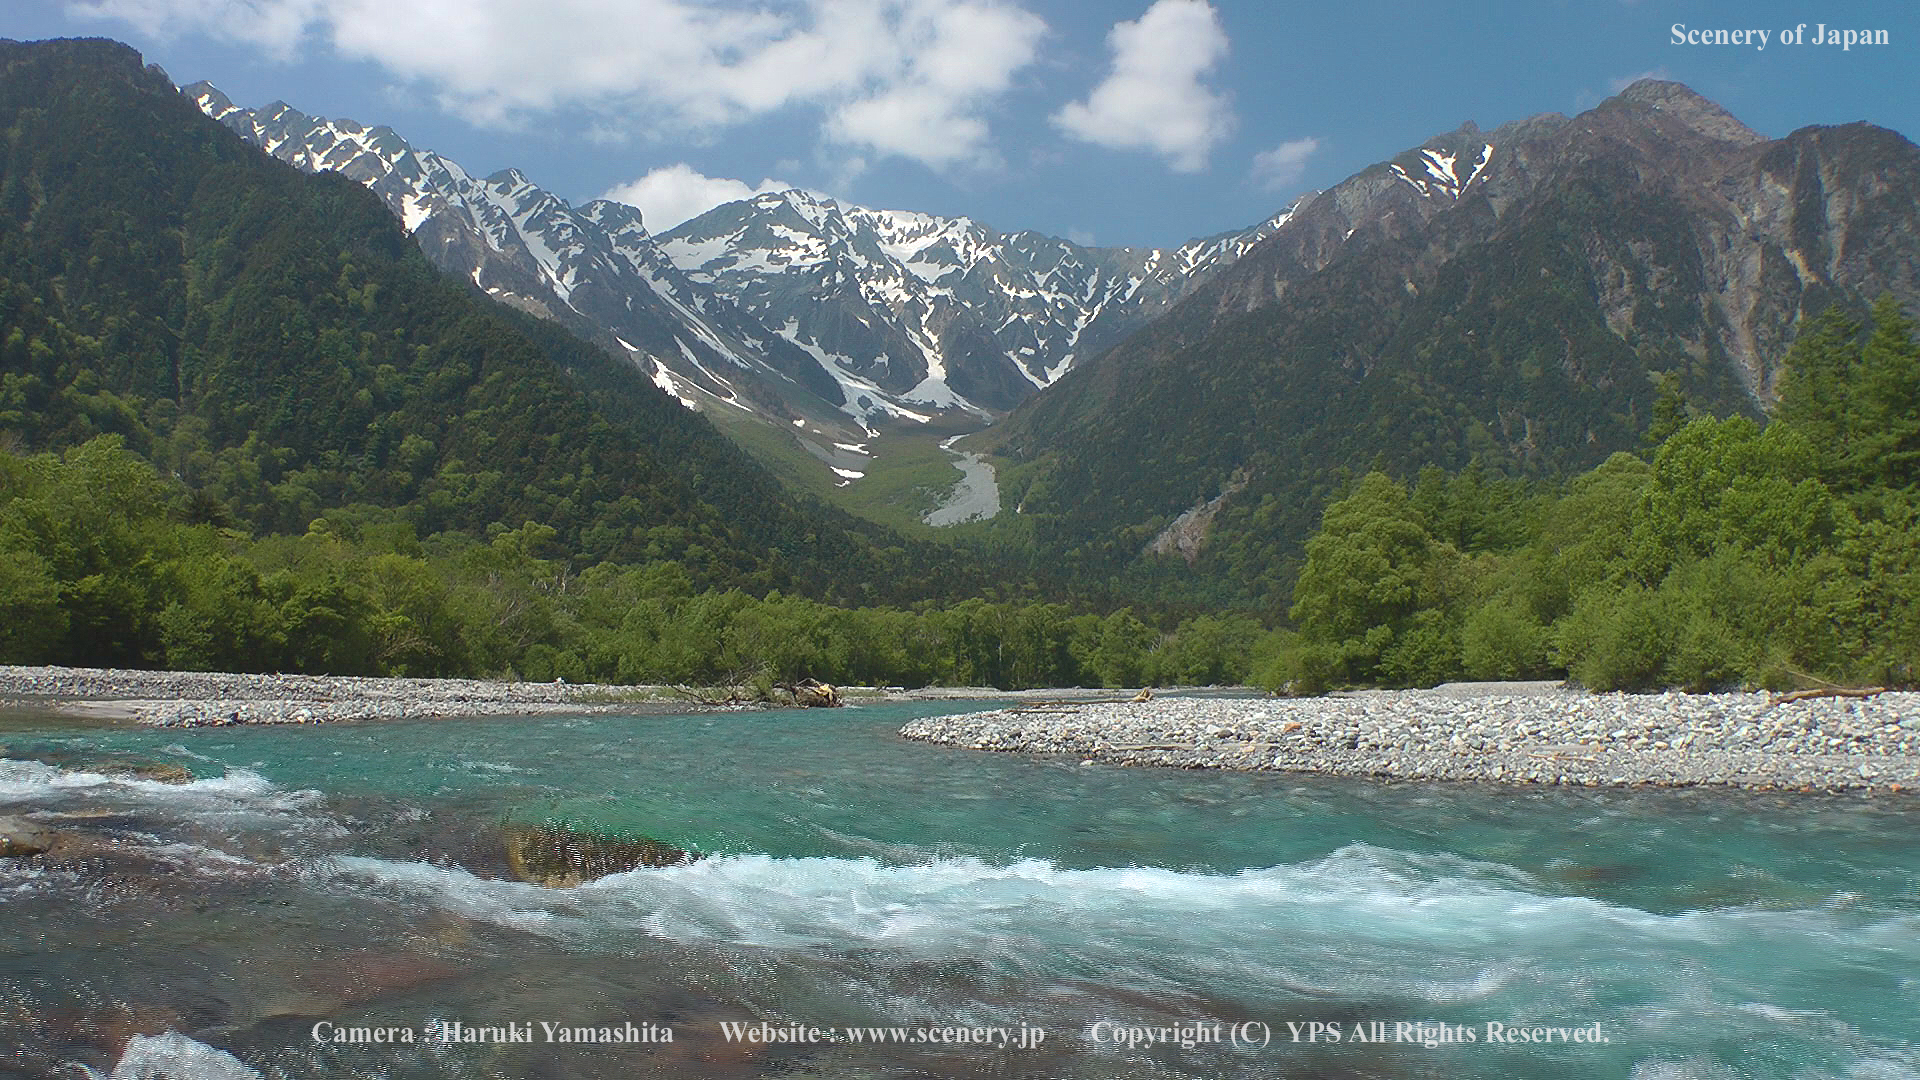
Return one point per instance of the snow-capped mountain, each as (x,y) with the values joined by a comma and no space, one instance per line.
(935,311)
(593,267)
(791,307)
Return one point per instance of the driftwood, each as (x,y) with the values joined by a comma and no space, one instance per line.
(1056,703)
(1828,691)
(746,688)
(1825,689)
(716,695)
(812,694)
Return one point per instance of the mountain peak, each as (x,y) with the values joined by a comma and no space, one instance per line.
(1679,100)
(509,179)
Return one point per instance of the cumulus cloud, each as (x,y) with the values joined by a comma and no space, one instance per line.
(1154,99)
(911,78)
(1283,165)
(672,194)
(275,25)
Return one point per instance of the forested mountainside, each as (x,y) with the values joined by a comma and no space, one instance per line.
(1516,298)
(275,344)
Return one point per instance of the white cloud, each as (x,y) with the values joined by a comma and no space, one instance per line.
(672,194)
(275,25)
(958,58)
(1153,99)
(1282,166)
(903,77)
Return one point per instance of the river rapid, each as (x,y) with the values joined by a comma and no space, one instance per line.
(872,907)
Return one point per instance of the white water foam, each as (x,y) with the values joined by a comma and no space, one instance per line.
(1362,922)
(22,781)
(173,1056)
(241,799)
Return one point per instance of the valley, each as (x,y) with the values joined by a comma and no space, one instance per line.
(1137,462)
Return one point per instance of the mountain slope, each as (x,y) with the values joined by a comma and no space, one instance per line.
(594,269)
(275,341)
(942,312)
(1508,296)
(789,307)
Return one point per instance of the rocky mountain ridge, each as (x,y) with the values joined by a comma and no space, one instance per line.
(1517,297)
(792,307)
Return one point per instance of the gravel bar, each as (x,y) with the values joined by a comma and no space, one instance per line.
(1539,735)
(210,699)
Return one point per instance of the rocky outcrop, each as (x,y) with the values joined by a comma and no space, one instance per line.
(811,694)
(159,772)
(560,856)
(20,838)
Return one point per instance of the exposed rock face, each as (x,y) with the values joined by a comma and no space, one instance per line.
(560,857)
(935,311)
(1188,533)
(1759,227)
(1510,296)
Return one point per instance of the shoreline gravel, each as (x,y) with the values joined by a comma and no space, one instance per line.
(218,699)
(1521,734)
(211,699)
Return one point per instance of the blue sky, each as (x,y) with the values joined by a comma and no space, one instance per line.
(1111,121)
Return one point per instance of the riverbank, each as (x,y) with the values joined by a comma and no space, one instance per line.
(215,699)
(208,699)
(1528,734)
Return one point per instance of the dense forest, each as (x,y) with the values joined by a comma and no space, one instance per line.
(1729,554)
(102,562)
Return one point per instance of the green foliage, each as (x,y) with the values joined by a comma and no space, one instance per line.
(1738,555)
(1376,585)
(1503,639)
(94,570)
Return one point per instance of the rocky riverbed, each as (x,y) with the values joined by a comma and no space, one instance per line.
(213,699)
(205,699)
(1533,734)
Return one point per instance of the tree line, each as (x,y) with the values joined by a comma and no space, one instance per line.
(1729,554)
(105,562)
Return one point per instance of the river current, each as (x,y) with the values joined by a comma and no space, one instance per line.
(871,907)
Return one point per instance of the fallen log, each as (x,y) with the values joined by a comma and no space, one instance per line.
(1828,691)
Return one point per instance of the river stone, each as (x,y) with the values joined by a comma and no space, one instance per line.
(560,857)
(20,837)
(162,772)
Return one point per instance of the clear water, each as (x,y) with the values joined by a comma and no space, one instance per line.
(349,874)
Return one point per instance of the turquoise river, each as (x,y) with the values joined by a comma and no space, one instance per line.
(871,907)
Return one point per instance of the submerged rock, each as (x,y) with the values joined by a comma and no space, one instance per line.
(148,770)
(20,837)
(560,857)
